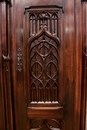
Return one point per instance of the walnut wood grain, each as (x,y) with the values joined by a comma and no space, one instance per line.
(42,66)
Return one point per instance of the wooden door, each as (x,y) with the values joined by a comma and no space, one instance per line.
(44,61)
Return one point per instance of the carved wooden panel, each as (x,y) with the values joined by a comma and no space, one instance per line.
(47,18)
(43,54)
(44,69)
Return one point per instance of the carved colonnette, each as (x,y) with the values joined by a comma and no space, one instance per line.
(7,87)
(2,117)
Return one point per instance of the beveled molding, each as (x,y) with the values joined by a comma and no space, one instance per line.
(28,8)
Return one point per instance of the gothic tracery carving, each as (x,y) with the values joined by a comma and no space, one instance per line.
(48,19)
(44,55)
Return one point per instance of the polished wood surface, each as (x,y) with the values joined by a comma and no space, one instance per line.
(42,65)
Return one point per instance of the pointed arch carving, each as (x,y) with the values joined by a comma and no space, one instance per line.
(44,62)
(44,31)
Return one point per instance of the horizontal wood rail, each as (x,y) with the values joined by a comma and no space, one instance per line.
(43,112)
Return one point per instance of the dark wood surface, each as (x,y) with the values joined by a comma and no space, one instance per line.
(42,65)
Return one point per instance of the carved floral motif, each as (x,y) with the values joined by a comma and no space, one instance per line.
(19,60)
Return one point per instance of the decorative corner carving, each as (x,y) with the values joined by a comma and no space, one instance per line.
(19,60)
